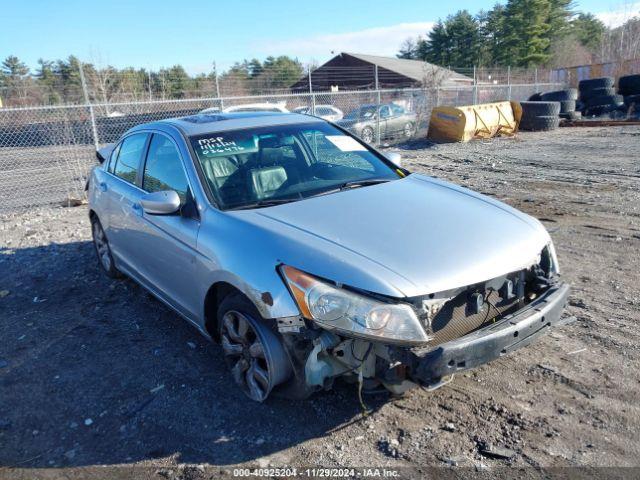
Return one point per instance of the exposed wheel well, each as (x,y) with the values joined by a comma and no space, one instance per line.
(215,294)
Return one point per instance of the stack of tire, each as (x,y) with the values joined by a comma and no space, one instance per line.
(567,99)
(539,116)
(598,97)
(629,88)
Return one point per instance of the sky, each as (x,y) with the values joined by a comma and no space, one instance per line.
(195,33)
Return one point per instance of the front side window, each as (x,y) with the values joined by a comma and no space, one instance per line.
(163,169)
(129,157)
(397,110)
(285,163)
(366,112)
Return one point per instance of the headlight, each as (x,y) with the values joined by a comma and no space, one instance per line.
(337,309)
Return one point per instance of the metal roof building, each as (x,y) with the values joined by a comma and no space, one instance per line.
(351,71)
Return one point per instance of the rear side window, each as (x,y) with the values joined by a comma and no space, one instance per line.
(129,157)
(163,169)
(113,158)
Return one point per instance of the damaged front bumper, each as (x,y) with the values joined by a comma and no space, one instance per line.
(430,367)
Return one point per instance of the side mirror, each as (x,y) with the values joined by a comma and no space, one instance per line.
(160,203)
(394,158)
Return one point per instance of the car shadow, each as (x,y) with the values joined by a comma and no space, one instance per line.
(95,371)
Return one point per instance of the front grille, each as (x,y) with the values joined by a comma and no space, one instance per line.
(455,318)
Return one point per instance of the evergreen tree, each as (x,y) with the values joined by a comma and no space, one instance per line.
(436,48)
(588,30)
(13,68)
(492,32)
(48,81)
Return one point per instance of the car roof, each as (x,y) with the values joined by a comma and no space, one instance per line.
(204,123)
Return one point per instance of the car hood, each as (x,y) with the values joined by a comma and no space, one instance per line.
(421,234)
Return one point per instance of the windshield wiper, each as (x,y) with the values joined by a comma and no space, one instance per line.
(268,202)
(351,184)
(363,183)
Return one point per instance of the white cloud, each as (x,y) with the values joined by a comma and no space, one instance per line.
(619,14)
(376,41)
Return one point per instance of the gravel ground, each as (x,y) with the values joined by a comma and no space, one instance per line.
(97,376)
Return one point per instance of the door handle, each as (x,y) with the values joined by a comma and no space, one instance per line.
(103,186)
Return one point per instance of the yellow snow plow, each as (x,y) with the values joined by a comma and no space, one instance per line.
(461,124)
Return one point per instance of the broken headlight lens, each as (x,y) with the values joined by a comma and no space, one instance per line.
(353,314)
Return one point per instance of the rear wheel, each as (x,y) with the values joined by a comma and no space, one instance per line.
(103,250)
(254,353)
(408,130)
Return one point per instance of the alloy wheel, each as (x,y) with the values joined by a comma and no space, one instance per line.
(408,130)
(367,135)
(102,246)
(249,351)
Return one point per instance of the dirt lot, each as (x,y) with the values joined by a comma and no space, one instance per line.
(94,372)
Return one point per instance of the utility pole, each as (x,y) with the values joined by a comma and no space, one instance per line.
(313,97)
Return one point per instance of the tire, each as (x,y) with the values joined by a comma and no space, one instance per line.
(605,100)
(631,99)
(367,135)
(598,92)
(567,106)
(103,250)
(560,95)
(540,124)
(571,116)
(536,97)
(599,110)
(540,109)
(254,352)
(604,82)
(408,130)
(629,84)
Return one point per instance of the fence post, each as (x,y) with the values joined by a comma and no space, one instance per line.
(85,92)
(379,99)
(475,86)
(313,95)
(535,80)
(509,80)
(150,85)
(215,75)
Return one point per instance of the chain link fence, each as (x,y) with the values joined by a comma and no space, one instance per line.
(47,152)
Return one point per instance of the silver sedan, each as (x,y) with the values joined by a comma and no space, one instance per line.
(309,255)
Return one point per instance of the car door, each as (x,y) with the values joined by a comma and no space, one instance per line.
(166,247)
(396,121)
(123,194)
(385,116)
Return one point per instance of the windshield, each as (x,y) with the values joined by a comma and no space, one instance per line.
(257,167)
(363,112)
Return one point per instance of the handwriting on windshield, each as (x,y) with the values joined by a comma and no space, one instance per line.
(219,145)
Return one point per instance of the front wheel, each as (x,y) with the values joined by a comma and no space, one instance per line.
(254,353)
(367,135)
